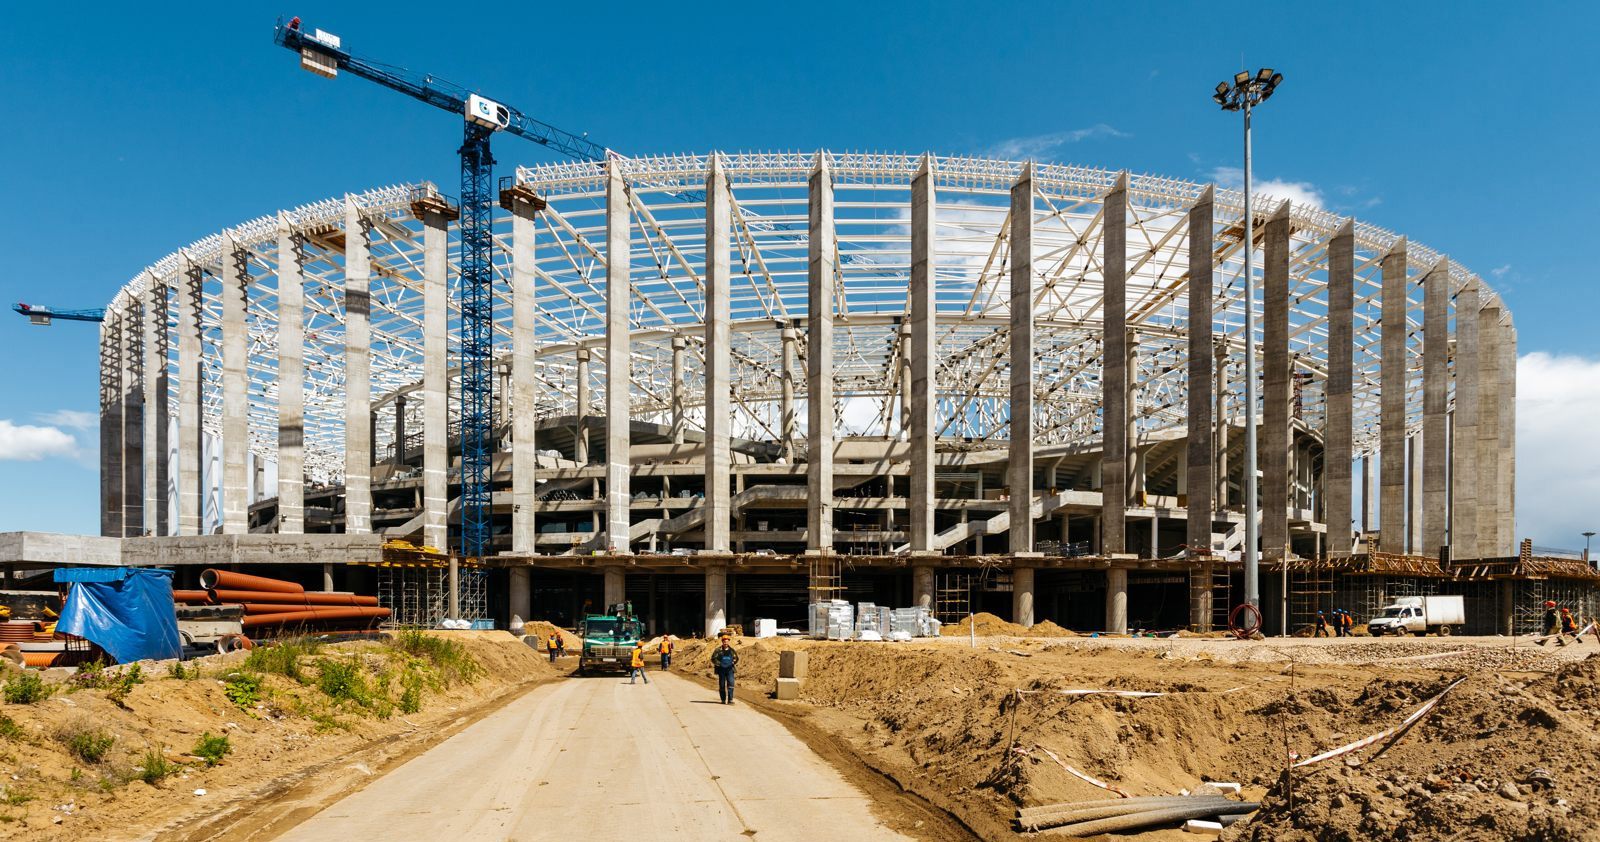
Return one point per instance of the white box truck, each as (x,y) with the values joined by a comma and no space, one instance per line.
(1420,615)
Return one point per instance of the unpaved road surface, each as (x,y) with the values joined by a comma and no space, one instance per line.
(598,758)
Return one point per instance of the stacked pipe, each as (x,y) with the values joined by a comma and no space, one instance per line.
(1113,815)
(274,606)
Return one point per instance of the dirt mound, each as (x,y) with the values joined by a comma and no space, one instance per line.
(986,624)
(541,630)
(1049,629)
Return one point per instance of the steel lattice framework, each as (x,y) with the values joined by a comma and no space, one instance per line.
(769,291)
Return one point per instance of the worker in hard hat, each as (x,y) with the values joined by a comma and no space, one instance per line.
(1552,624)
(553,645)
(664,648)
(1322,626)
(636,666)
(1569,623)
(724,661)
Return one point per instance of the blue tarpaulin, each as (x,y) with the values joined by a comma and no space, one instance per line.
(126,611)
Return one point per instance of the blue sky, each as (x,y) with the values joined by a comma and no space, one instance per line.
(135,129)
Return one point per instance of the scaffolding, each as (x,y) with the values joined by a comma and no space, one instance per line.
(1364,595)
(825,580)
(1310,591)
(952,596)
(1218,585)
(414,584)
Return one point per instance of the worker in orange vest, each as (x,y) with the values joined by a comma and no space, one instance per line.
(554,645)
(636,666)
(666,651)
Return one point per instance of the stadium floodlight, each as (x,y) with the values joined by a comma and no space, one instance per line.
(1244,94)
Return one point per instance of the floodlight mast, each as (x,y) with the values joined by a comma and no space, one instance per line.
(1244,94)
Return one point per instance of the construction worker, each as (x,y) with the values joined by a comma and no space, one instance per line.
(553,645)
(724,660)
(636,666)
(665,649)
(1322,626)
(1338,622)
(561,645)
(1569,624)
(1349,624)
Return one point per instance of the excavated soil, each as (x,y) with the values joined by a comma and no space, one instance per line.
(292,751)
(972,730)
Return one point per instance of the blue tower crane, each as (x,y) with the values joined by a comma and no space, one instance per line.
(322,53)
(41,315)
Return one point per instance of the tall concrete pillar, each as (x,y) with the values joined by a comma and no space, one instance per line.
(398,432)
(435,218)
(1276,437)
(922,587)
(1222,499)
(1200,479)
(1464,482)
(524,207)
(616,585)
(718,357)
(235,387)
(156,412)
(1392,394)
(291,378)
(790,429)
(1019,468)
(1116,415)
(619,359)
(922,352)
(111,485)
(1369,502)
(716,599)
(191,283)
(820,286)
(679,401)
(1507,472)
(1117,600)
(1491,544)
(1435,407)
(1337,435)
(1202,605)
(1416,447)
(581,438)
(132,398)
(357,370)
(1022,596)
(520,592)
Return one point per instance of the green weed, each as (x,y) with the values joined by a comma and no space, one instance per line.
(342,680)
(212,748)
(121,684)
(182,671)
(155,766)
(86,741)
(27,688)
(10,730)
(449,658)
(243,688)
(283,658)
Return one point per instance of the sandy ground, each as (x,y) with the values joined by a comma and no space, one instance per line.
(598,758)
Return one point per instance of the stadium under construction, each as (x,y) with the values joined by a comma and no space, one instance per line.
(732,384)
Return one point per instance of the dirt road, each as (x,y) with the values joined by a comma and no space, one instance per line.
(671,764)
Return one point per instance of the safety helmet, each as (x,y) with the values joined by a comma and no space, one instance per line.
(1549,604)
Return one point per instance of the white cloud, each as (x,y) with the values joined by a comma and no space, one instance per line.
(1558,448)
(73,418)
(1299,192)
(1501,271)
(1019,148)
(28,443)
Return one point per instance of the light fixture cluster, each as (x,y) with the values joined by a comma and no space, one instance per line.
(1247,91)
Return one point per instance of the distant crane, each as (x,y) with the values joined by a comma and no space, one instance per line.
(322,53)
(41,315)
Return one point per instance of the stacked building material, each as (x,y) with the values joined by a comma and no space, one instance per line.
(273,607)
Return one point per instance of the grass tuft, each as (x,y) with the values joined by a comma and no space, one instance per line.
(212,748)
(27,688)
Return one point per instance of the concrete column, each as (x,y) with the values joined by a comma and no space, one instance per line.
(1414,492)
(1435,408)
(716,599)
(1392,414)
(790,429)
(435,377)
(1117,600)
(1465,541)
(1507,472)
(520,592)
(399,432)
(616,585)
(1019,468)
(156,410)
(922,587)
(1201,607)
(235,387)
(1223,499)
(820,281)
(191,514)
(454,584)
(1114,381)
(1339,430)
(111,485)
(1022,596)
(679,402)
(132,399)
(922,352)
(327,578)
(619,359)
(357,371)
(718,355)
(291,379)
(1491,543)
(1276,438)
(524,209)
(581,439)
(1200,480)
(1369,503)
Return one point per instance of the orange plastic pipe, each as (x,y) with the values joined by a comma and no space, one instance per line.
(273,607)
(295,598)
(315,615)
(212,579)
(195,597)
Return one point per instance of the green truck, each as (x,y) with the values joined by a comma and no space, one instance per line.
(608,640)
